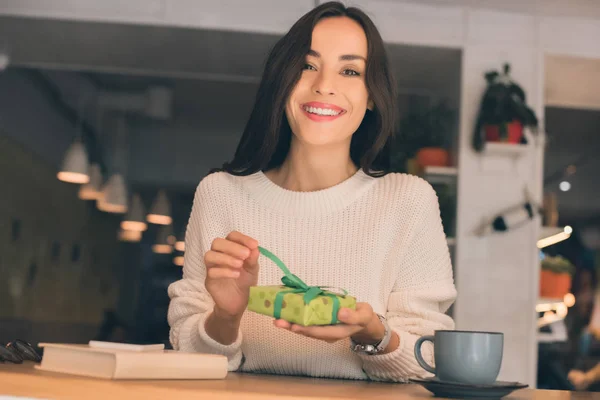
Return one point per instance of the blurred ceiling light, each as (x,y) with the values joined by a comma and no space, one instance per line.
(4,60)
(74,168)
(178,261)
(162,246)
(555,238)
(114,196)
(160,213)
(134,220)
(180,245)
(129,236)
(565,186)
(93,189)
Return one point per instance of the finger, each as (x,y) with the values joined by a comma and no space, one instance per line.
(361,316)
(234,249)
(281,323)
(242,239)
(215,259)
(251,263)
(327,333)
(222,273)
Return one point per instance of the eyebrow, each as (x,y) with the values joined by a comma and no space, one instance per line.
(345,57)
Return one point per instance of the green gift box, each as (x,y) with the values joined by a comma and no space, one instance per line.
(296,302)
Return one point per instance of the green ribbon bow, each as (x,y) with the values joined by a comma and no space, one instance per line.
(296,285)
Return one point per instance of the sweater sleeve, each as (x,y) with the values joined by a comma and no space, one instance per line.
(423,292)
(190,302)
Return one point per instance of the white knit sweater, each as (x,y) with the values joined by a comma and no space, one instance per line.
(381,239)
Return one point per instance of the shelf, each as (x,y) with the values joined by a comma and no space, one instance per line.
(437,175)
(506,149)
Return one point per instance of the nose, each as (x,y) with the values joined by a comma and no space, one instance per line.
(323,85)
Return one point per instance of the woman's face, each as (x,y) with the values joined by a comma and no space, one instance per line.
(330,100)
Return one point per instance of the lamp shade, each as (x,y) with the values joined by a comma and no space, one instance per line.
(114,196)
(134,220)
(162,245)
(180,243)
(93,189)
(160,213)
(178,260)
(129,236)
(74,168)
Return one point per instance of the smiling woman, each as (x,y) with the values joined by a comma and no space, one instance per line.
(310,180)
(335,58)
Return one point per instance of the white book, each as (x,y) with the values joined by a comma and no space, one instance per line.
(111,363)
(126,346)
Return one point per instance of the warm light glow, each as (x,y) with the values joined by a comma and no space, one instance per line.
(130,236)
(180,246)
(548,315)
(562,310)
(134,226)
(171,239)
(162,248)
(569,300)
(178,261)
(88,193)
(568,230)
(550,240)
(73,177)
(93,189)
(110,208)
(159,219)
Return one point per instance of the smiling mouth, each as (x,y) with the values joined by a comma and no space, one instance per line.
(322,111)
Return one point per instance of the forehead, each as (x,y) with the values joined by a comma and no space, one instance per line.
(336,36)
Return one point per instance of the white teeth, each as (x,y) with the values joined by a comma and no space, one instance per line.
(321,111)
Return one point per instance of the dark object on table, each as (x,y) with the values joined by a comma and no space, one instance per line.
(25,350)
(464,391)
(18,351)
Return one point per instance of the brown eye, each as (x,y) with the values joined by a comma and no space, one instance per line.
(350,72)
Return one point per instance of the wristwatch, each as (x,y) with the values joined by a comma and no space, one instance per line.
(376,348)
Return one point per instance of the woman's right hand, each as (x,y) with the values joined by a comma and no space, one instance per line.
(232,267)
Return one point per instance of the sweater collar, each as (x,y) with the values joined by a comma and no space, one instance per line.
(319,202)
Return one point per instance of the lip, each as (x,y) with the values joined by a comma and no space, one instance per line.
(322,118)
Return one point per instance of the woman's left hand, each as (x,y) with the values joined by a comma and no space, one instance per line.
(362,325)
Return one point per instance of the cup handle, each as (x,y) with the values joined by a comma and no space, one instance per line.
(418,355)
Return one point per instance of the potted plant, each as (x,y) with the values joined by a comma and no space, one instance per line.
(425,137)
(503,112)
(555,277)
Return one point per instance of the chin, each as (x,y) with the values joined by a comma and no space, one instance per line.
(321,141)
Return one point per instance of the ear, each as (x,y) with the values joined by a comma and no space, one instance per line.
(370,105)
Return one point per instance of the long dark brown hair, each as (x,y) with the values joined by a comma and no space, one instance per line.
(266,140)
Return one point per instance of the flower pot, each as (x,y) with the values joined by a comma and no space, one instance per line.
(514,133)
(432,157)
(554,285)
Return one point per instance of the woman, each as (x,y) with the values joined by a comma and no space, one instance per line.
(309,181)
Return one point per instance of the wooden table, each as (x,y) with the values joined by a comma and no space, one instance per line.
(24,380)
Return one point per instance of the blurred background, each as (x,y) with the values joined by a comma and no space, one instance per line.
(111,113)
